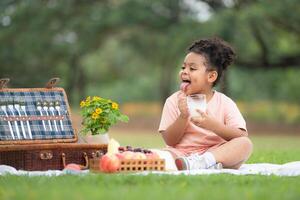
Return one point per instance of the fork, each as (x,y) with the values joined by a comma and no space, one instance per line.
(45,107)
(57,107)
(17,108)
(39,108)
(11,109)
(23,108)
(3,107)
(51,109)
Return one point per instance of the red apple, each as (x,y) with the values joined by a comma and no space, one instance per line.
(109,163)
(73,166)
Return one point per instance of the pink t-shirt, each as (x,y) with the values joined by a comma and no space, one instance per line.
(196,139)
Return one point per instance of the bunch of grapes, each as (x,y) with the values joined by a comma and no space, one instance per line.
(130,148)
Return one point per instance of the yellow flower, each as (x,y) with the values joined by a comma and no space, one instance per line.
(88,99)
(82,104)
(95,116)
(99,114)
(98,111)
(96,98)
(115,106)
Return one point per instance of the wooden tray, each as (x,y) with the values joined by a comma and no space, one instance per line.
(132,165)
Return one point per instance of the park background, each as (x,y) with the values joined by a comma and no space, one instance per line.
(131,51)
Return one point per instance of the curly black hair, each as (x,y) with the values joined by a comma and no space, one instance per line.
(218,53)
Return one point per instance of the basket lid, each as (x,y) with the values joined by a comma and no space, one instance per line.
(35,115)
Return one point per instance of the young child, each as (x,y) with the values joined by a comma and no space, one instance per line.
(213,139)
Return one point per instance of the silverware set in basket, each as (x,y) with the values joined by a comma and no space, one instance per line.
(46,108)
(18,117)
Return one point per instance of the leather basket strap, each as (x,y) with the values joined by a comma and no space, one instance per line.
(3,82)
(52,83)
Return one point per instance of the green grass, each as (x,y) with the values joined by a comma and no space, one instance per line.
(123,186)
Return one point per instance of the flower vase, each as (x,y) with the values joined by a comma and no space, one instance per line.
(97,139)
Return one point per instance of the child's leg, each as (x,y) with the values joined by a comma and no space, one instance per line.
(233,153)
(169,159)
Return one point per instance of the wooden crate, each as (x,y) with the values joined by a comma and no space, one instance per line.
(132,165)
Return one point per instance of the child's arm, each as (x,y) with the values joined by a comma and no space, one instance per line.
(206,121)
(173,134)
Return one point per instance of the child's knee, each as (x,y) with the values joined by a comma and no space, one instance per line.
(247,144)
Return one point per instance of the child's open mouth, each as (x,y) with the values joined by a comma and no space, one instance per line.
(184,85)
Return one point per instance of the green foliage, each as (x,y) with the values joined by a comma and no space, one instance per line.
(99,115)
(278,85)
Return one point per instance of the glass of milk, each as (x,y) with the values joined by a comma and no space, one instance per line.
(196,101)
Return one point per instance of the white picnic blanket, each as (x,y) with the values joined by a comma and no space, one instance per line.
(288,169)
(8,170)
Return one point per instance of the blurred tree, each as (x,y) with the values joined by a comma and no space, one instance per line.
(167,27)
(160,33)
(265,35)
(49,38)
(272,27)
(41,39)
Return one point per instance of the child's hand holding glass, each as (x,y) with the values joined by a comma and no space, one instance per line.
(182,105)
(205,120)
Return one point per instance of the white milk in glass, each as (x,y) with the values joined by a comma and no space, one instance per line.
(196,101)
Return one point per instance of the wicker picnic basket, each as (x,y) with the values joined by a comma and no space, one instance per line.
(36,130)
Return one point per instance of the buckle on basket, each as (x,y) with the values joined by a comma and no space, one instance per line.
(46,155)
(97,154)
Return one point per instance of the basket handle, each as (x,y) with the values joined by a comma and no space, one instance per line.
(86,166)
(52,83)
(3,82)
